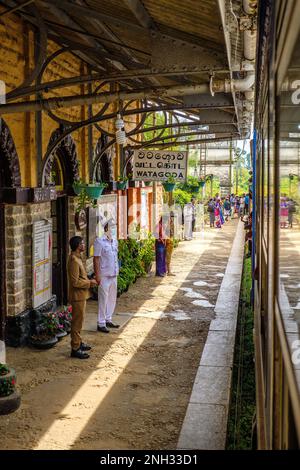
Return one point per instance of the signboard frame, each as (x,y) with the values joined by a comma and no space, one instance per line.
(41,262)
(159,165)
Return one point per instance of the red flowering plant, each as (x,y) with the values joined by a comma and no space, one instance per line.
(65,317)
(7,380)
(47,328)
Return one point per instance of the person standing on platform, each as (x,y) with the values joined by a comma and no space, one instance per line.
(79,286)
(211,211)
(193,202)
(106,268)
(170,245)
(160,250)
(188,221)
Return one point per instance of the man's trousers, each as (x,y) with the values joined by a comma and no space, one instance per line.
(107,297)
(78,311)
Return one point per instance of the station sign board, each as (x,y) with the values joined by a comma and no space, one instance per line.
(159,165)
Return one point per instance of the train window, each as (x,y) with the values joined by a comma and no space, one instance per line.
(289,197)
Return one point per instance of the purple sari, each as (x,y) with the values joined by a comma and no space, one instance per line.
(160,254)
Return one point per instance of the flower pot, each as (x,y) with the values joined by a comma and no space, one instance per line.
(147,183)
(201,184)
(78,188)
(121,185)
(168,187)
(43,343)
(61,334)
(92,190)
(195,189)
(10,403)
(7,383)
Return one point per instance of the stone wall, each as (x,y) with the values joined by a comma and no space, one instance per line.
(18,242)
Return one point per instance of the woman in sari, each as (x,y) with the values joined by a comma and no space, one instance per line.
(160,250)
(221,213)
(284,213)
(217,215)
(170,245)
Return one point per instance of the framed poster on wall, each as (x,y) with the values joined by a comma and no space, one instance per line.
(41,262)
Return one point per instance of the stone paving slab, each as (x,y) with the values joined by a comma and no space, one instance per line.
(213,383)
(90,320)
(205,423)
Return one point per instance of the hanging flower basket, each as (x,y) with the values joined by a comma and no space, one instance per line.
(93,190)
(168,187)
(121,185)
(147,183)
(201,184)
(195,189)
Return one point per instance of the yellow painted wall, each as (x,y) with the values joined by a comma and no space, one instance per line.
(16,61)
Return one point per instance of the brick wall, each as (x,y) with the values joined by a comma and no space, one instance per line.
(18,242)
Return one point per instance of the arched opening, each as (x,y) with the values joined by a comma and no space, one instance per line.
(65,155)
(61,171)
(10,177)
(104,170)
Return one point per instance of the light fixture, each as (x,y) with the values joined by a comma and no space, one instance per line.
(120,132)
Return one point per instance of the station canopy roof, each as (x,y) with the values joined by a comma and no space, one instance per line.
(183,56)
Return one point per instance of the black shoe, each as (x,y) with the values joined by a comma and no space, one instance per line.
(85,347)
(103,329)
(112,325)
(79,354)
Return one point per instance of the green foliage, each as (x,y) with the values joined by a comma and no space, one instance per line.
(181,197)
(242,407)
(4,369)
(147,252)
(50,324)
(170,180)
(136,257)
(82,201)
(7,384)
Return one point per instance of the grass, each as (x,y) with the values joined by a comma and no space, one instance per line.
(242,405)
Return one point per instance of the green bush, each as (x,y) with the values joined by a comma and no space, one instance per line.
(181,197)
(136,257)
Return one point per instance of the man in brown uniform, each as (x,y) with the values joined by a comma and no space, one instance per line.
(79,286)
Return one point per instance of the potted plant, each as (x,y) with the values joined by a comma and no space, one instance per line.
(122,182)
(9,398)
(147,253)
(169,184)
(65,319)
(45,336)
(147,183)
(194,184)
(93,190)
(201,182)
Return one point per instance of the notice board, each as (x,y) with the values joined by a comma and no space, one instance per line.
(41,262)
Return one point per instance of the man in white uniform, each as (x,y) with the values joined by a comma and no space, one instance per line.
(106,268)
(188,221)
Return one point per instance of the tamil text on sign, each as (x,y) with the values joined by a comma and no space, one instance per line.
(159,165)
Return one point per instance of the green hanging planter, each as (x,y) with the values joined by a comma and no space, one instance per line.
(195,189)
(92,190)
(201,184)
(147,183)
(168,187)
(121,185)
